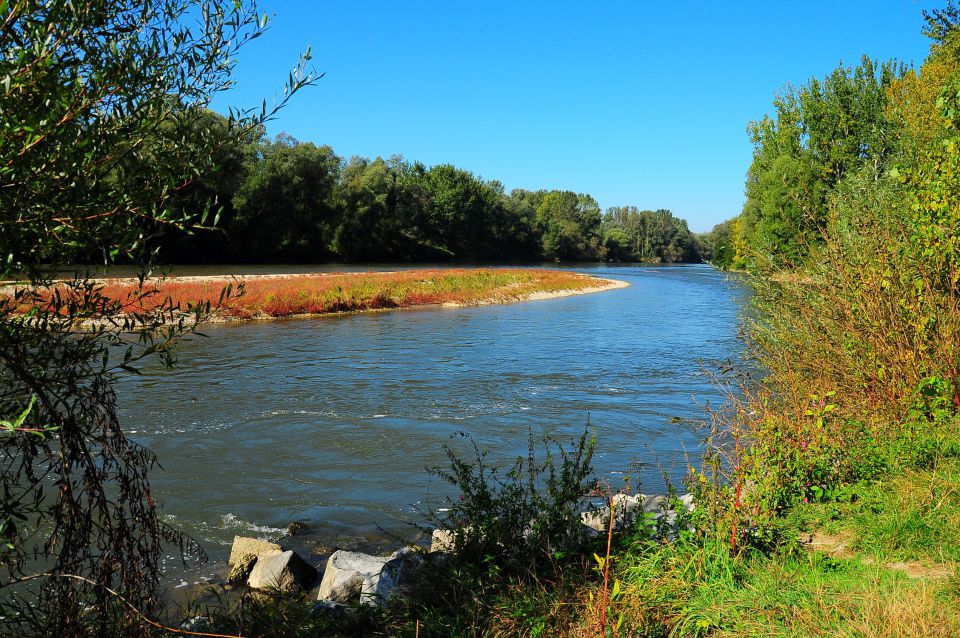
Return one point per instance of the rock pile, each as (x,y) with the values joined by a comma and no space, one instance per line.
(349,578)
(352,578)
(264,565)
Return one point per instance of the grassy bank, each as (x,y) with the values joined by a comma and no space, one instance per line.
(878,559)
(271,296)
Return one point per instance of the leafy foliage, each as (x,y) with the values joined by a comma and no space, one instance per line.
(98,101)
(284,200)
(819,134)
(519,520)
(649,236)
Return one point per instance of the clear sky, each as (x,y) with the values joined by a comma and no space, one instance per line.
(643,102)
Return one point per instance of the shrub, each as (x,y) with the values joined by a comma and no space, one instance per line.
(522,519)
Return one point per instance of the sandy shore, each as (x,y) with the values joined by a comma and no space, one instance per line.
(602,285)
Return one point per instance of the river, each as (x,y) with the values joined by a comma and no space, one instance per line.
(334,420)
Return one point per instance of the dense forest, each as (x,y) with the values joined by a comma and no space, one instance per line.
(289,201)
(870,128)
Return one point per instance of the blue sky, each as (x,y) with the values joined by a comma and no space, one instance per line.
(643,103)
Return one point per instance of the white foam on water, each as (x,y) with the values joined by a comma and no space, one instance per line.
(230,521)
(324,413)
(203,531)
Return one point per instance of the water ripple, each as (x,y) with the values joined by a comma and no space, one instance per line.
(333,420)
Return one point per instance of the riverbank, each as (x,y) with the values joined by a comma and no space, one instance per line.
(272,296)
(878,562)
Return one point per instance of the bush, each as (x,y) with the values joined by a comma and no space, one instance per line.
(519,520)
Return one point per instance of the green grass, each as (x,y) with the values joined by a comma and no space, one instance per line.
(884,563)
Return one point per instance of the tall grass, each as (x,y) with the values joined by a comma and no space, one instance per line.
(861,346)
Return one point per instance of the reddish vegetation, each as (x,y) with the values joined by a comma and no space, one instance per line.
(286,295)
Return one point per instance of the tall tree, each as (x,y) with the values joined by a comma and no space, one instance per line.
(384,210)
(649,236)
(817,135)
(208,196)
(287,206)
(97,97)
(569,226)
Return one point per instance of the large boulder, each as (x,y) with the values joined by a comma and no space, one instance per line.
(353,577)
(397,572)
(243,556)
(344,576)
(285,571)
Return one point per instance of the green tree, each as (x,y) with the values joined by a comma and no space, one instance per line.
(649,236)
(816,136)
(287,206)
(384,214)
(465,212)
(97,99)
(721,244)
(569,226)
(208,197)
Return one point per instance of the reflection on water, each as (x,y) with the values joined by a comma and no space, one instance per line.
(334,420)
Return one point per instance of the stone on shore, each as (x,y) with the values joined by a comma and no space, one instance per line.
(443,540)
(352,577)
(654,503)
(344,576)
(285,571)
(627,509)
(243,556)
(396,572)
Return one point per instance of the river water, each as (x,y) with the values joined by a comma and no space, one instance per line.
(334,420)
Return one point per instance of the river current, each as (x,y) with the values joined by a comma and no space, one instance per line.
(334,420)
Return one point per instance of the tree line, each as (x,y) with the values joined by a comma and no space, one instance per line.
(283,200)
(857,125)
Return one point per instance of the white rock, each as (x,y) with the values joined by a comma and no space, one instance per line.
(443,540)
(669,518)
(595,520)
(285,571)
(377,589)
(343,579)
(687,500)
(625,508)
(654,503)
